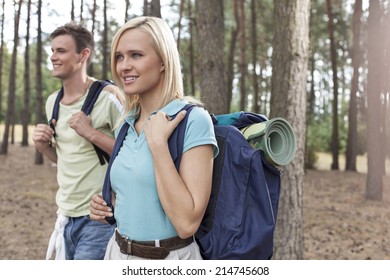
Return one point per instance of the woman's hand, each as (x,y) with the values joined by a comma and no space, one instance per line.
(99,209)
(159,128)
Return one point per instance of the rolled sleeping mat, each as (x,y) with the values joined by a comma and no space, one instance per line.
(275,138)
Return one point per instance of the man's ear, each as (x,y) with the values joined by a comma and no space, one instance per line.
(85,53)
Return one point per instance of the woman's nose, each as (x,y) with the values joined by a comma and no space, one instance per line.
(126,64)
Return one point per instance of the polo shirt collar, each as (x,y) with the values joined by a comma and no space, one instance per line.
(171,109)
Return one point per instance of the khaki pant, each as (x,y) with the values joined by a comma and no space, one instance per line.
(190,252)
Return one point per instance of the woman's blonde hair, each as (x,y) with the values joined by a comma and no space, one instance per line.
(165,46)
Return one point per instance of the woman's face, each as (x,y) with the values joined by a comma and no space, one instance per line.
(138,66)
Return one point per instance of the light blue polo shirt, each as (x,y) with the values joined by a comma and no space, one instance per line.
(138,211)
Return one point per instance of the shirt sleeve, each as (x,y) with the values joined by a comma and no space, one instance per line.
(199,130)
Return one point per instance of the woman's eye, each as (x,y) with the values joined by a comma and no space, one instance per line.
(136,55)
(118,57)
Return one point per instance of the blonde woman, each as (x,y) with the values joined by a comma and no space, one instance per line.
(157,208)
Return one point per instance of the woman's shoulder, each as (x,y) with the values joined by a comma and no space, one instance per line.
(199,111)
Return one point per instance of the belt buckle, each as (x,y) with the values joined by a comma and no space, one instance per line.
(128,246)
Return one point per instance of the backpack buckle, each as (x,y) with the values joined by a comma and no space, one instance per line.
(50,123)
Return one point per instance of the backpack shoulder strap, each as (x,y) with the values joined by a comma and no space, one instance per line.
(93,95)
(176,141)
(106,192)
(90,100)
(56,109)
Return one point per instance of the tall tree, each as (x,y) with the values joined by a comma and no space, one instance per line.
(72,16)
(105,43)
(12,82)
(27,91)
(152,8)
(191,49)
(155,8)
(210,31)
(254,46)
(333,58)
(1,58)
(386,81)
(181,11)
(91,69)
(351,153)
(375,169)
(288,100)
(231,55)
(81,10)
(127,6)
(242,61)
(146,8)
(38,82)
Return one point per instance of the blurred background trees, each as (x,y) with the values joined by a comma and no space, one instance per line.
(326,70)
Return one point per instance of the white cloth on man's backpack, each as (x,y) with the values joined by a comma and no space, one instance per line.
(57,241)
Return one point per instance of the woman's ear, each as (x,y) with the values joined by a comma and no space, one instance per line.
(162,68)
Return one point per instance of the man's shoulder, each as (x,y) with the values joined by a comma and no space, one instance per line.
(52,96)
(114,90)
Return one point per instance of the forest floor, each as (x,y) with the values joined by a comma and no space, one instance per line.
(339,224)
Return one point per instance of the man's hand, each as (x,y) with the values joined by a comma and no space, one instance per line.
(42,137)
(81,123)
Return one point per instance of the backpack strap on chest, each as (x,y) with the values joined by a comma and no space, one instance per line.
(90,100)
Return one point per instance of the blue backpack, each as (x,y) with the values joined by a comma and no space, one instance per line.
(90,100)
(240,218)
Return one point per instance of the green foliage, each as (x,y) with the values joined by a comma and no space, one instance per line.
(319,130)
(5,60)
(319,133)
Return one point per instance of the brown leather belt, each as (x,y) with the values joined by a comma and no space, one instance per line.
(148,249)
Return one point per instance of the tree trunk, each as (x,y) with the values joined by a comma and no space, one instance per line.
(288,100)
(146,8)
(105,44)
(191,49)
(27,91)
(81,10)
(91,69)
(38,84)
(230,58)
(179,23)
(210,27)
(309,151)
(127,6)
(386,86)
(242,64)
(263,93)
(255,106)
(333,57)
(1,58)
(72,17)
(374,184)
(12,83)
(351,153)
(155,8)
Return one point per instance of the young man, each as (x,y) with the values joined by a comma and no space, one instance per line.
(79,172)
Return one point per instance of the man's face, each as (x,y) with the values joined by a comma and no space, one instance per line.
(65,59)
